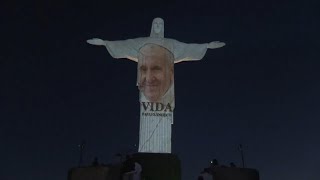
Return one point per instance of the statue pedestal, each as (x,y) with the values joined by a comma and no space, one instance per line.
(158,166)
(230,173)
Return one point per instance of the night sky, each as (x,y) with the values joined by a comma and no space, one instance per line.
(261,89)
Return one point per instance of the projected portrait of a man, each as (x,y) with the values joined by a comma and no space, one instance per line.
(155,73)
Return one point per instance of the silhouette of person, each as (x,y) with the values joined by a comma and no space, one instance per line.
(232,165)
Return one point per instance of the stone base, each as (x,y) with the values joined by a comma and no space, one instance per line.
(158,166)
(229,173)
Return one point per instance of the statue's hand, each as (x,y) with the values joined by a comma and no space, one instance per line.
(216,44)
(96,41)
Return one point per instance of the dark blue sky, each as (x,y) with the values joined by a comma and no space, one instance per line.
(261,90)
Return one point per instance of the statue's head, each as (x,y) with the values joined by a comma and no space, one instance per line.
(157,29)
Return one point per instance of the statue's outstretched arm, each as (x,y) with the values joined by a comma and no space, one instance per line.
(96,41)
(215,44)
(120,48)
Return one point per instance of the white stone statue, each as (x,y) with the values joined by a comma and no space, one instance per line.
(156,56)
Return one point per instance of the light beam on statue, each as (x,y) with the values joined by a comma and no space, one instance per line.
(156,56)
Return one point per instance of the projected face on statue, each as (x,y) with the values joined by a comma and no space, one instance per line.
(155,71)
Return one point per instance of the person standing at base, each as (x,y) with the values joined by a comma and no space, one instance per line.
(132,169)
(205,175)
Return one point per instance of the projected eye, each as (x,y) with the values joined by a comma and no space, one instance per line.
(157,68)
(143,69)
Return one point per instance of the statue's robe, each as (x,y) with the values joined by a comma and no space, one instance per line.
(155,126)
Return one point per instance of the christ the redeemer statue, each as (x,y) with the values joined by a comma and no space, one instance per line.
(156,56)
